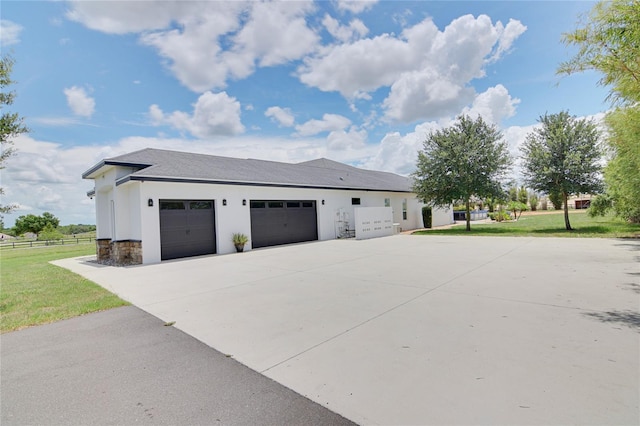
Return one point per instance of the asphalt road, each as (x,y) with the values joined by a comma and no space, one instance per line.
(124,366)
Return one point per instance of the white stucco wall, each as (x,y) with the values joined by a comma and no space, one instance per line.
(442,217)
(135,220)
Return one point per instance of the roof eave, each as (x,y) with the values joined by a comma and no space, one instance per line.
(142,178)
(105,165)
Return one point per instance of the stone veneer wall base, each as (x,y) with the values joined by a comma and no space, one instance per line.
(119,253)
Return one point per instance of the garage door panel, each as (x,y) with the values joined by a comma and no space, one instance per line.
(187,228)
(275,222)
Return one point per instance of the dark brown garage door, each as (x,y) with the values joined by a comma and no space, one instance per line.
(275,222)
(187,228)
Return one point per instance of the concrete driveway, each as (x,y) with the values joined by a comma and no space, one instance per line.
(418,329)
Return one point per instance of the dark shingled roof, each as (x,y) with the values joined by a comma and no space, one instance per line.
(163,165)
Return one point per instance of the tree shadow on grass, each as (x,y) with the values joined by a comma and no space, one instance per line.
(630,319)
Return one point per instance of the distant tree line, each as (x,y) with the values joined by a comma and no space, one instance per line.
(46,227)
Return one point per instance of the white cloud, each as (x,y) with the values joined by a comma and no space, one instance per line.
(276,32)
(340,140)
(493,105)
(329,122)
(425,94)
(362,66)
(354,31)
(9,33)
(193,50)
(207,43)
(508,35)
(398,153)
(213,114)
(427,70)
(79,101)
(282,116)
(46,176)
(355,6)
(130,17)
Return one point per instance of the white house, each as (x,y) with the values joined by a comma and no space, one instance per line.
(153,205)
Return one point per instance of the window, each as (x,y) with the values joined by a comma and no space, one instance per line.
(200,205)
(404,209)
(292,204)
(276,204)
(355,201)
(172,205)
(307,204)
(258,204)
(387,202)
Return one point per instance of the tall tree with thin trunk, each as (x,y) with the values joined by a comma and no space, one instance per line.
(562,156)
(469,159)
(11,124)
(608,41)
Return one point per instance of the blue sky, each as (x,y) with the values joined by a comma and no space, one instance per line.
(359,82)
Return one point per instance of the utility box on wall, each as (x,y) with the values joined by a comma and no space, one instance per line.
(372,222)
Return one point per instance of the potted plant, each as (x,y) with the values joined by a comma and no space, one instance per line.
(239,240)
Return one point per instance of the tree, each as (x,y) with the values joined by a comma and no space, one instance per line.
(516,207)
(35,224)
(49,233)
(468,159)
(562,157)
(523,195)
(622,173)
(608,42)
(11,124)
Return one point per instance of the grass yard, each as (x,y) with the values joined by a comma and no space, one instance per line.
(548,225)
(35,292)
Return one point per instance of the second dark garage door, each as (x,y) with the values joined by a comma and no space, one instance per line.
(275,222)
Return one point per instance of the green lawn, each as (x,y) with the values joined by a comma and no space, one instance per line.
(35,292)
(548,225)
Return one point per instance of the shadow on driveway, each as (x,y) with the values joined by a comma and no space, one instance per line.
(627,318)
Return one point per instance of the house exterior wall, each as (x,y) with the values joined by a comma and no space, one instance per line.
(135,220)
(440,217)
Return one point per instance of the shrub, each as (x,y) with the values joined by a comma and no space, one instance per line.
(556,200)
(600,205)
(49,233)
(427,216)
(533,201)
(500,216)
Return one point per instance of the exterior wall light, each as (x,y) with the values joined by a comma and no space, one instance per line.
(224,202)
(150,202)
(244,202)
(323,202)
